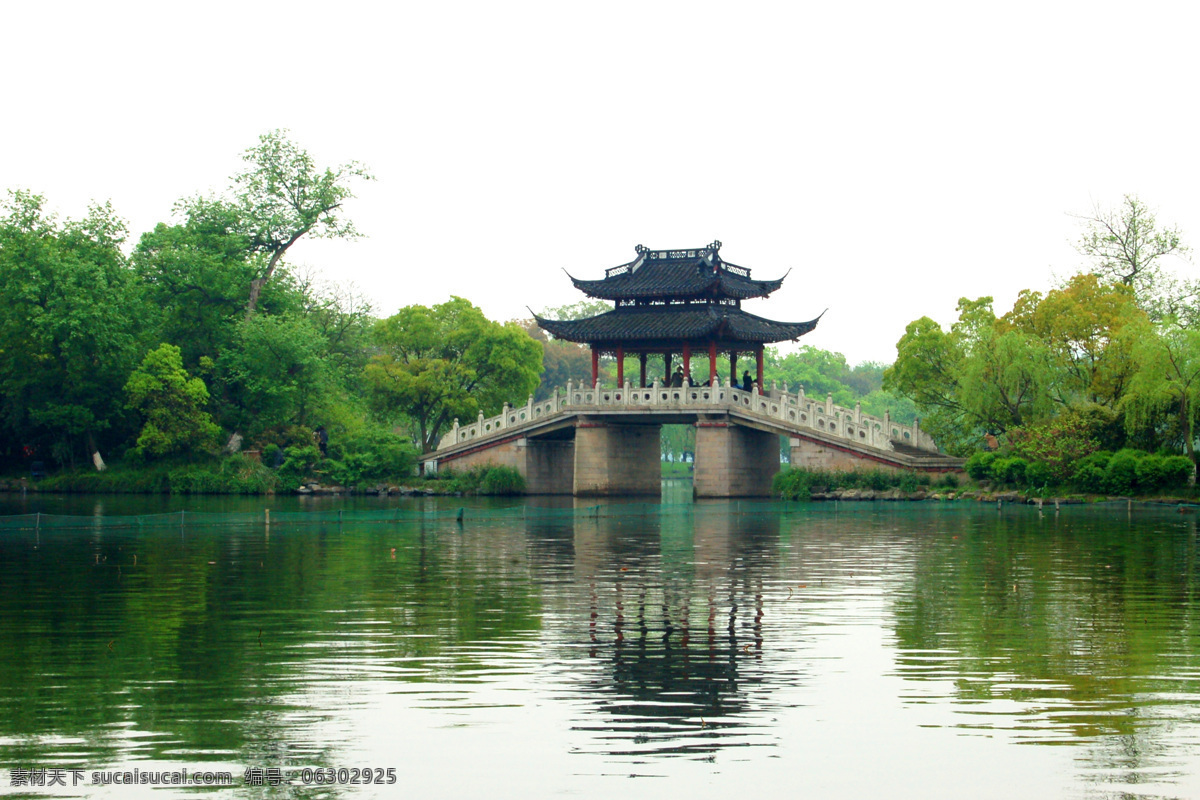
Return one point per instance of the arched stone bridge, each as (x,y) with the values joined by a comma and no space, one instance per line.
(605,441)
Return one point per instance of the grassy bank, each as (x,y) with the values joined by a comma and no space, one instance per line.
(242,475)
(232,475)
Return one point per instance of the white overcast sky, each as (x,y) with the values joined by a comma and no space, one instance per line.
(894,156)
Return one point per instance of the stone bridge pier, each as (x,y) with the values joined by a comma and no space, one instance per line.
(733,460)
(616,459)
(548,465)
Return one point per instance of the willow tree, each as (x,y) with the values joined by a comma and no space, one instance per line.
(979,377)
(1167,380)
(1080,325)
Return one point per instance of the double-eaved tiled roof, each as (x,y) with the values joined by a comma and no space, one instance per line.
(631,326)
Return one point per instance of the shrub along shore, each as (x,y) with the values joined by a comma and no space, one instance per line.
(247,476)
(989,478)
(1100,476)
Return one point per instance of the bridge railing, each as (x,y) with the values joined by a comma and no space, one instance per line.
(795,410)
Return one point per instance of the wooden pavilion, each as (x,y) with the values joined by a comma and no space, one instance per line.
(676,302)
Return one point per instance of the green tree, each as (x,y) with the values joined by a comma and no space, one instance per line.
(276,373)
(927,370)
(1080,324)
(1167,380)
(980,377)
(678,442)
(562,361)
(197,275)
(449,361)
(70,325)
(1006,377)
(579,310)
(1127,246)
(283,196)
(172,404)
(820,372)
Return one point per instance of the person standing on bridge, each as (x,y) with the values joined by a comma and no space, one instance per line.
(746,381)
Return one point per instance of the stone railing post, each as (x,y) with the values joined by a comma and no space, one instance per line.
(504,415)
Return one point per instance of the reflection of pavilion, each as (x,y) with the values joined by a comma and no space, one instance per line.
(675,626)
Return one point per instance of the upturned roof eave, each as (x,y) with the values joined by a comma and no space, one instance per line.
(726,284)
(724,324)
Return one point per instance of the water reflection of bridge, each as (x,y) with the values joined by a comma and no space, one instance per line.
(673,623)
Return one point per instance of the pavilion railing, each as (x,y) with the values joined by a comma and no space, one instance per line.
(796,410)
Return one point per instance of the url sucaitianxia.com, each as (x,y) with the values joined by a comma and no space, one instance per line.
(52,777)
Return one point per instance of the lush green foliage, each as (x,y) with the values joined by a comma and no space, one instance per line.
(283,195)
(172,403)
(69,329)
(449,362)
(487,479)
(799,483)
(77,317)
(369,457)
(1125,472)
(204,332)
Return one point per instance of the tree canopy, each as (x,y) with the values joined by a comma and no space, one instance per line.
(449,362)
(70,326)
(283,196)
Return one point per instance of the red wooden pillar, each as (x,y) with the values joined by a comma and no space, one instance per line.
(758,355)
(712,362)
(687,363)
(642,362)
(595,366)
(620,367)
(733,376)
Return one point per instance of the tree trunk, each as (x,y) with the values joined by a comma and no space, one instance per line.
(97,460)
(1185,419)
(255,290)
(257,284)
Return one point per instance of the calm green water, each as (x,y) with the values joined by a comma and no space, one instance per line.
(862,650)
